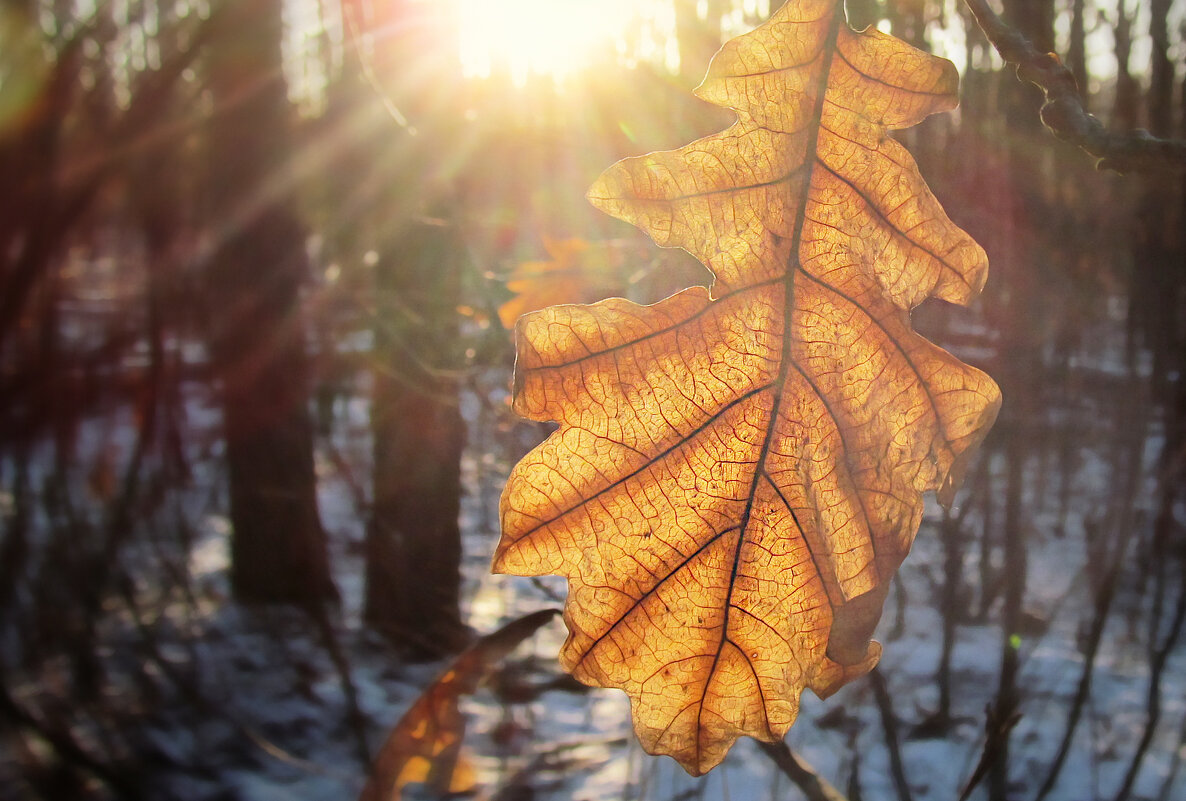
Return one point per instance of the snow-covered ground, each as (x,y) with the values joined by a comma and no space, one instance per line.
(249,704)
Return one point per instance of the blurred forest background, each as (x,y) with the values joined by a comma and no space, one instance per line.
(254,381)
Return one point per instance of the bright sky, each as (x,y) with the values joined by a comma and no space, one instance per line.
(550,37)
(559,37)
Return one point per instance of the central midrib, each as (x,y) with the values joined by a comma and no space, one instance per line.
(792,267)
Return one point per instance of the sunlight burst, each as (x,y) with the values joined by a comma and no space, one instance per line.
(546,37)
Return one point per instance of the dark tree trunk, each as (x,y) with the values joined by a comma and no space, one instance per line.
(257,334)
(413,549)
(1077,48)
(1155,281)
(413,545)
(1021,214)
(1126,105)
(1161,86)
(34,212)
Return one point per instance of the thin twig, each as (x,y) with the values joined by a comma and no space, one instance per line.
(813,786)
(1063,112)
(997,730)
(1158,657)
(354,715)
(889,725)
(1167,785)
(1121,525)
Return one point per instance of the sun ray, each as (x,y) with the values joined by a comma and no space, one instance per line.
(545,37)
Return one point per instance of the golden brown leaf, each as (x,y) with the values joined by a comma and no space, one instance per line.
(582,271)
(578,271)
(738,474)
(425,745)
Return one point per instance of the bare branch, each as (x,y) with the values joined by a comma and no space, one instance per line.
(814,786)
(889,725)
(998,723)
(1063,112)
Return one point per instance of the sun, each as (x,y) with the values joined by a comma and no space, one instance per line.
(544,37)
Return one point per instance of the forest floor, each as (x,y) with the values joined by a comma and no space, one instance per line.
(239,703)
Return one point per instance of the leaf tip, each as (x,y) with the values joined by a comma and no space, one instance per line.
(497,565)
(959,466)
(601,193)
(834,675)
(852,626)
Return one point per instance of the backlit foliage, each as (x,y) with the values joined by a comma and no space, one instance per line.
(738,473)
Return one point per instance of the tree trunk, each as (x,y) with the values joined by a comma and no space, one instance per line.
(413,548)
(1018,245)
(1126,105)
(1077,48)
(1155,282)
(1161,87)
(257,334)
(413,545)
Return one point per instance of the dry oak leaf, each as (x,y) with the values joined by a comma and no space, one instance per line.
(578,271)
(425,746)
(737,474)
(582,271)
